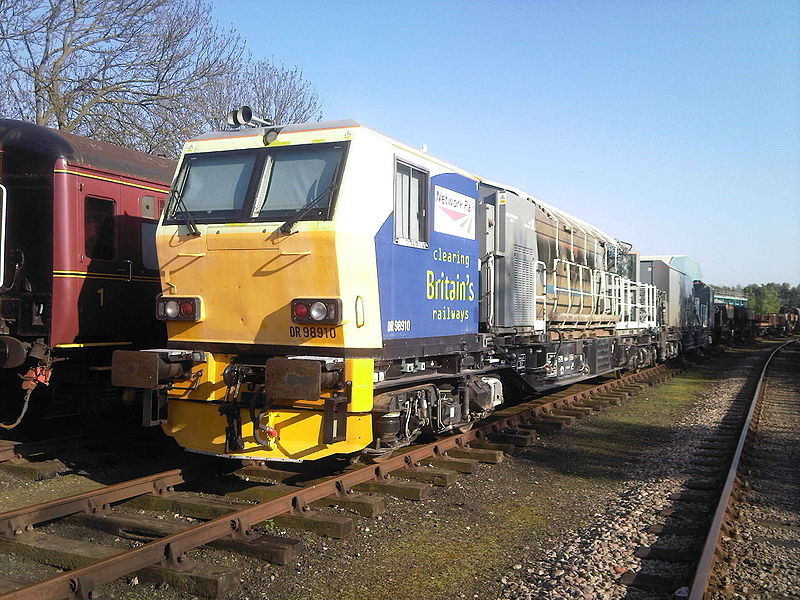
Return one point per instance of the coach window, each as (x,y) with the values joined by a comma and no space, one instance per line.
(410,206)
(100,230)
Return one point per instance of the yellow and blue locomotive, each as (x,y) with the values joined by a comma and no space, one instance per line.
(330,290)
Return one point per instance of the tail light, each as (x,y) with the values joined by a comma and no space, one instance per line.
(313,310)
(178,309)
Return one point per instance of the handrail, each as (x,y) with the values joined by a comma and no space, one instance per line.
(3,235)
(540,279)
(607,293)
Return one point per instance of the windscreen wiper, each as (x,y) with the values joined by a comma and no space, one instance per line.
(189,220)
(292,221)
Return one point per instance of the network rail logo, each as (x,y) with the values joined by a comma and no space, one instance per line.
(454,213)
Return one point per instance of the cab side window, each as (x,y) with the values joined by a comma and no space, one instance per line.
(100,230)
(410,205)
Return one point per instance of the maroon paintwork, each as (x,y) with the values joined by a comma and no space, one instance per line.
(81,307)
(105,305)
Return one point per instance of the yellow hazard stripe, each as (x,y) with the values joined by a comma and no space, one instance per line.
(112,276)
(136,185)
(94,344)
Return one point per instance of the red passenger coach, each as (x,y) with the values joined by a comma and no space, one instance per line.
(78,268)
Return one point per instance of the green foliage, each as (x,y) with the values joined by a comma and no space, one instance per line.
(764,297)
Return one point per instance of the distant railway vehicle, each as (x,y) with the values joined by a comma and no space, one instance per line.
(687,305)
(78,269)
(733,320)
(792,319)
(785,322)
(329,290)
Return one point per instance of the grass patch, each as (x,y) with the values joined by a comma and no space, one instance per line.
(425,562)
(42,491)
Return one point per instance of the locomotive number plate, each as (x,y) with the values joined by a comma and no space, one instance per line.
(312,331)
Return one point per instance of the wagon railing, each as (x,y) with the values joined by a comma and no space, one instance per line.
(582,295)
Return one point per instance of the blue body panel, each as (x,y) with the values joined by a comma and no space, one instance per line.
(433,291)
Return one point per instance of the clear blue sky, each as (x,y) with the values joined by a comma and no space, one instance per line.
(672,125)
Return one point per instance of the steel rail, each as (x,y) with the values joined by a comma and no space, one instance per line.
(17,521)
(10,450)
(171,550)
(708,557)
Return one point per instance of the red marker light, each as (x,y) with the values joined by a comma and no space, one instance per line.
(187,309)
(271,432)
(300,310)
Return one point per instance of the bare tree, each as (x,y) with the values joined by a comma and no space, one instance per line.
(134,72)
(281,93)
(273,91)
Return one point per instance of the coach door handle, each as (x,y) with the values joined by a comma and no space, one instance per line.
(3,234)
(130,270)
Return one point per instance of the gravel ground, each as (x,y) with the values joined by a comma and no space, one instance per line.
(558,520)
(591,560)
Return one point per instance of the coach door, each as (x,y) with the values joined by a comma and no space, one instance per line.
(117,301)
(102,306)
(137,236)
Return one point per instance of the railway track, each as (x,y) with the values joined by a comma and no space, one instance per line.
(14,450)
(700,539)
(231,523)
(753,546)
(48,457)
